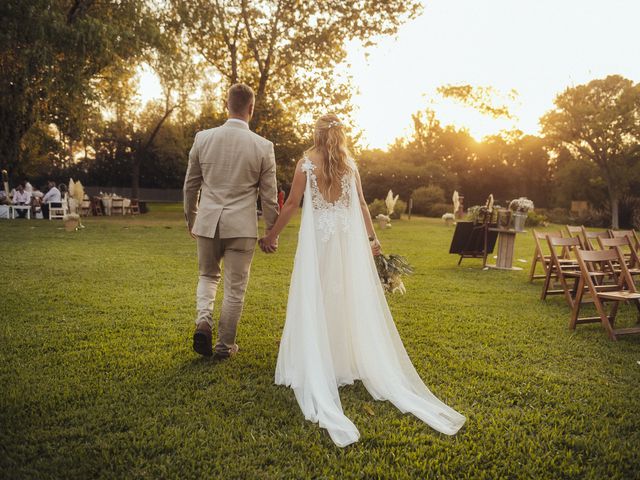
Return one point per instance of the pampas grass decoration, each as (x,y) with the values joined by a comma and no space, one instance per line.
(390,202)
(78,192)
(78,195)
(70,200)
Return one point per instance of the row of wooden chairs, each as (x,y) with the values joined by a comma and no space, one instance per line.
(94,206)
(585,241)
(598,276)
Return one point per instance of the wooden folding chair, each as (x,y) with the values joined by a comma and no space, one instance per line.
(117,206)
(85,208)
(96,206)
(632,234)
(573,231)
(561,270)
(539,256)
(592,264)
(630,254)
(588,238)
(135,207)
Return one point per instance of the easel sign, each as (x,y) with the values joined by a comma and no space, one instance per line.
(476,239)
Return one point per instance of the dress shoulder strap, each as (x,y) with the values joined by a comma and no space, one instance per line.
(307,165)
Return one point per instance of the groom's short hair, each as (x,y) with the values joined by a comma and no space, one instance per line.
(239,97)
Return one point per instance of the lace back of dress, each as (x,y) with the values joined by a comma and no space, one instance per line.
(329,217)
(319,200)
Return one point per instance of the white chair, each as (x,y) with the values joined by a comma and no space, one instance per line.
(15,208)
(57,210)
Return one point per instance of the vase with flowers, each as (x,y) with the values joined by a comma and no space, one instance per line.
(520,208)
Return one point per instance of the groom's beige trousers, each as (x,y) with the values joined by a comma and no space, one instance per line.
(236,253)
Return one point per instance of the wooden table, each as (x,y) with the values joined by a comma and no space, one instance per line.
(506,244)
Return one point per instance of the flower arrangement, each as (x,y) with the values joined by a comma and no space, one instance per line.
(521,205)
(383,220)
(477,211)
(448,218)
(391,269)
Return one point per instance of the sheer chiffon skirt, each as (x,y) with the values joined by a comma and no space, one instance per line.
(339,329)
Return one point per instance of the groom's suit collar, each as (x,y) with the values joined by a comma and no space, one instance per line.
(236,123)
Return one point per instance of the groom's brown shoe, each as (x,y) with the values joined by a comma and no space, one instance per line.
(202,339)
(233,351)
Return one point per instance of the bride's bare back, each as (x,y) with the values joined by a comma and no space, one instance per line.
(330,193)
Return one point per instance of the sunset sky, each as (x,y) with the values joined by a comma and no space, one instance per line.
(537,47)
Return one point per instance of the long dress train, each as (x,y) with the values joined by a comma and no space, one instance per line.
(338,326)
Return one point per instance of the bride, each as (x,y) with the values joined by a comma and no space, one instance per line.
(338,326)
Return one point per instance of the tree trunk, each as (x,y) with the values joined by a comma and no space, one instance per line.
(135,177)
(613,198)
(234,64)
(260,105)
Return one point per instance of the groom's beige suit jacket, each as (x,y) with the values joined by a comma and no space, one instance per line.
(230,166)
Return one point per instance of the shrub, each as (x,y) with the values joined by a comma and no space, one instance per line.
(629,212)
(426,197)
(592,218)
(439,209)
(535,219)
(399,209)
(378,206)
(589,218)
(560,216)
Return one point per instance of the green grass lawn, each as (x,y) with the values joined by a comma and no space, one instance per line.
(98,379)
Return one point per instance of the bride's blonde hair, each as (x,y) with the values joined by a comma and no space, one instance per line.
(330,140)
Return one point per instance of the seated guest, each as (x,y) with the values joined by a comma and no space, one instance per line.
(4,199)
(21,197)
(52,196)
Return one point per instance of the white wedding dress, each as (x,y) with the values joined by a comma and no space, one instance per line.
(338,326)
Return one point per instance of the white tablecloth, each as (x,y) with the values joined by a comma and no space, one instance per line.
(4,211)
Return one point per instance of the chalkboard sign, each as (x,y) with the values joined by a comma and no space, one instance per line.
(473,240)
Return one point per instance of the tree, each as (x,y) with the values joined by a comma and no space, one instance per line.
(51,52)
(600,122)
(287,49)
(486,100)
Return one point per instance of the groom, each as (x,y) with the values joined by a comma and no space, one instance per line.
(229,165)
